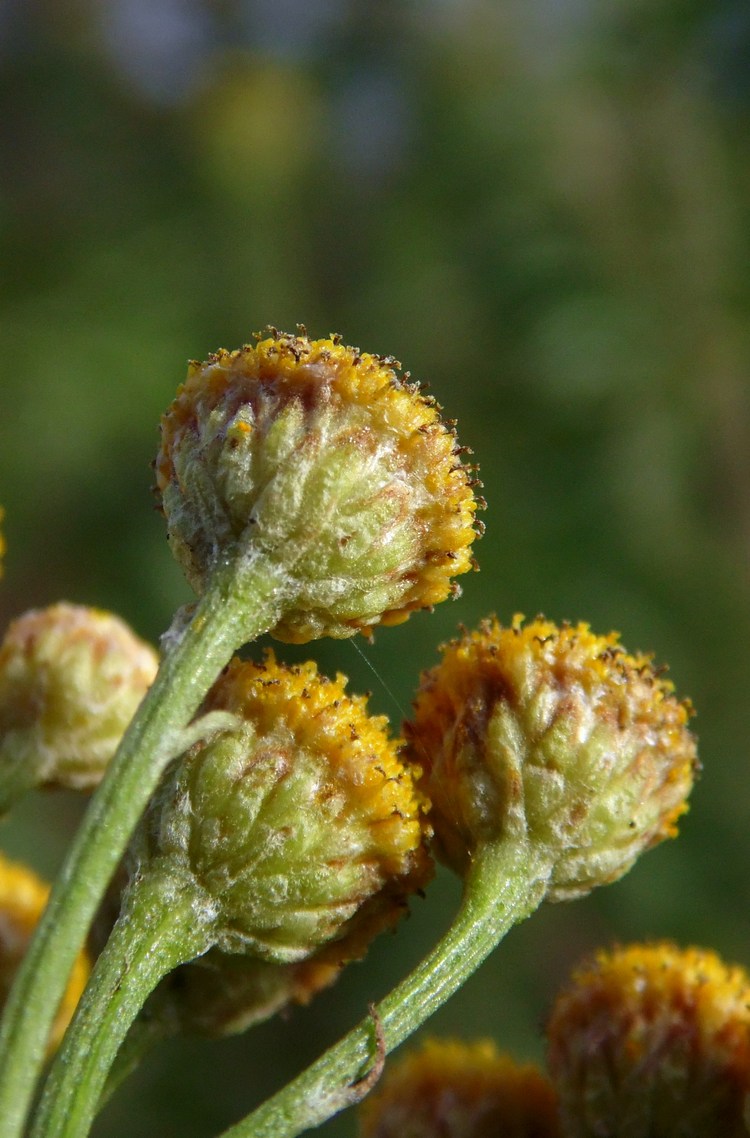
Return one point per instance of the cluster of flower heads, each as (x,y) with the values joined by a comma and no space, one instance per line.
(647,1041)
(297,824)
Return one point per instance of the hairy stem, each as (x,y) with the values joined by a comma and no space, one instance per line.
(505,884)
(162,927)
(219,626)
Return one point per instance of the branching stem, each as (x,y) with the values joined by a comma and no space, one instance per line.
(220,625)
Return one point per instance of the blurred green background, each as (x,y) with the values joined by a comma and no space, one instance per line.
(542,209)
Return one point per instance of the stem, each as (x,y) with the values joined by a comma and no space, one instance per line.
(161,927)
(221,623)
(505,884)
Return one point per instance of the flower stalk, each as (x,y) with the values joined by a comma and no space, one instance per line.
(154,737)
(506,882)
(165,928)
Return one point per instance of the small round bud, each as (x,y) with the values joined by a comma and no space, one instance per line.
(223,994)
(71,679)
(325,460)
(652,1041)
(460,1090)
(296,825)
(23,896)
(556,735)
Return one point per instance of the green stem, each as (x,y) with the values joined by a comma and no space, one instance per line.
(145,1033)
(505,884)
(162,926)
(219,626)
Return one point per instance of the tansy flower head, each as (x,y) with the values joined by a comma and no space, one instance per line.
(460,1090)
(326,460)
(300,824)
(71,679)
(555,735)
(653,1041)
(23,896)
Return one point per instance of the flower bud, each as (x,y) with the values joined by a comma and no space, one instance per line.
(221,994)
(23,896)
(71,679)
(652,1041)
(298,825)
(460,1090)
(326,461)
(558,736)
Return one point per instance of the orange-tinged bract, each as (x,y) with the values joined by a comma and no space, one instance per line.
(653,1041)
(300,825)
(460,1090)
(71,678)
(326,460)
(23,896)
(555,735)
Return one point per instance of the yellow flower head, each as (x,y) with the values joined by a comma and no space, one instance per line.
(326,459)
(23,896)
(301,823)
(556,735)
(71,679)
(460,1090)
(653,1041)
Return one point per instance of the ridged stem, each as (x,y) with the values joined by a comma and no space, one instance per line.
(161,927)
(221,623)
(505,884)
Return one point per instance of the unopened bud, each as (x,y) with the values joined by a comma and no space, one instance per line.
(221,994)
(329,463)
(299,825)
(557,736)
(653,1041)
(460,1090)
(71,679)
